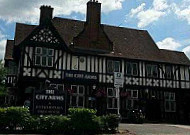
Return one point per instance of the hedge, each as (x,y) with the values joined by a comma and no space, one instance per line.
(79,121)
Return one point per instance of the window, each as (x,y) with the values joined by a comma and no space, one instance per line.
(170,104)
(77,97)
(132,99)
(168,72)
(74,62)
(151,70)
(112,98)
(44,56)
(113,66)
(132,69)
(57,86)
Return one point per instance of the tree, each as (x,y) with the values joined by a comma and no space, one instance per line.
(3,72)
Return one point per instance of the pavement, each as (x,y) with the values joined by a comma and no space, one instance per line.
(155,129)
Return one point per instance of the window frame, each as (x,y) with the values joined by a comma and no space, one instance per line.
(132,68)
(114,99)
(166,72)
(41,56)
(170,101)
(152,70)
(77,95)
(113,66)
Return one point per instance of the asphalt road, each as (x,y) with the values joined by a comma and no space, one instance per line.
(156,129)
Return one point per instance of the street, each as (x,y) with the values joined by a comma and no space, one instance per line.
(156,129)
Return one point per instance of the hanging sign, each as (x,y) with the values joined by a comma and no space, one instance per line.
(118,79)
(49,101)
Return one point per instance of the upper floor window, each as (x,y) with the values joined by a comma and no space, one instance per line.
(44,56)
(168,73)
(151,70)
(113,66)
(131,68)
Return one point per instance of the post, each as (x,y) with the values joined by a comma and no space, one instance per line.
(118,101)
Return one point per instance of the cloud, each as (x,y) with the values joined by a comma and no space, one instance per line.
(183,11)
(169,43)
(186,50)
(158,9)
(2,48)
(28,10)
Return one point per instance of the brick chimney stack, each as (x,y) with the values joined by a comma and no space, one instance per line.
(46,14)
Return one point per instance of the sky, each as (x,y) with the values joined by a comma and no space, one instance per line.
(167,21)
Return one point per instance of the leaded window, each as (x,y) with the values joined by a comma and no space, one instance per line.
(151,70)
(132,69)
(44,56)
(113,66)
(170,102)
(77,96)
(168,73)
(112,98)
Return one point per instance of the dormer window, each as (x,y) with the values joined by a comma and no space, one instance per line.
(44,56)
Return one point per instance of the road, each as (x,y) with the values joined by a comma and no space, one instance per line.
(156,129)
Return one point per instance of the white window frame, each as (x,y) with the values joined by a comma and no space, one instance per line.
(77,95)
(113,97)
(132,98)
(170,100)
(41,56)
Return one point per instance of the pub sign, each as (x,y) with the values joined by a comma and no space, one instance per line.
(49,101)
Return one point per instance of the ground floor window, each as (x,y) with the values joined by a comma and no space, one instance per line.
(129,99)
(112,98)
(170,102)
(77,96)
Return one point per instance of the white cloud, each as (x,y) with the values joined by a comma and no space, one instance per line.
(28,10)
(146,17)
(169,43)
(183,12)
(134,11)
(2,48)
(186,50)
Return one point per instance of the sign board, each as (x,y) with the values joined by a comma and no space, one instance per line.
(80,76)
(118,79)
(49,101)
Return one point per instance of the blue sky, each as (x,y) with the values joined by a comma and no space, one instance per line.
(167,21)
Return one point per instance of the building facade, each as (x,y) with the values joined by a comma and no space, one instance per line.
(80,58)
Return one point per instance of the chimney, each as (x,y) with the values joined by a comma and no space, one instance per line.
(46,14)
(93,12)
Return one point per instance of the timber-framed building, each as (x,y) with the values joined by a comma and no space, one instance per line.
(80,58)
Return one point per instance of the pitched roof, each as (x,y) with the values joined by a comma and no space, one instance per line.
(127,43)
(9,50)
(22,31)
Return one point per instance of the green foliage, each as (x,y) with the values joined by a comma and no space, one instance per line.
(79,121)
(83,120)
(2,79)
(16,117)
(110,122)
(2,118)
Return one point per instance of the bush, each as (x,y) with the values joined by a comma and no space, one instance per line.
(83,120)
(2,118)
(110,122)
(16,117)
